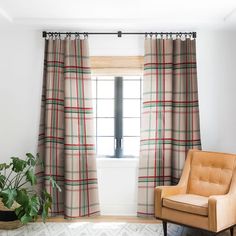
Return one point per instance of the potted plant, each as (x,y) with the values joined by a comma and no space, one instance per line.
(19,201)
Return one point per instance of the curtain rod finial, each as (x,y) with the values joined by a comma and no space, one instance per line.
(194,35)
(44,33)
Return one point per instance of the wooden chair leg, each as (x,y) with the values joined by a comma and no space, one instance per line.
(164,224)
(232,231)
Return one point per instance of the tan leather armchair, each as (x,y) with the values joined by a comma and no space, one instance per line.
(205,197)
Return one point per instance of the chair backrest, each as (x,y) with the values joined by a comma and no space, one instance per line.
(210,173)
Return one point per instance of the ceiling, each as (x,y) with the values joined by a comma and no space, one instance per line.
(110,15)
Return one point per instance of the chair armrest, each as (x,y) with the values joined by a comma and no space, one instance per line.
(165,191)
(221,211)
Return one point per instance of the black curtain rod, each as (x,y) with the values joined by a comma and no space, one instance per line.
(119,33)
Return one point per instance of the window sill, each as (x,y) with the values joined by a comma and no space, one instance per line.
(117,162)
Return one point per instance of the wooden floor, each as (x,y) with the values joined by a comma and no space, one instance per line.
(173,230)
(95,219)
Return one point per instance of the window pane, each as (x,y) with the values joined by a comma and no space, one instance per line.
(131,108)
(105,108)
(105,126)
(105,146)
(103,103)
(94,92)
(94,107)
(131,89)
(131,126)
(131,146)
(95,128)
(131,77)
(105,89)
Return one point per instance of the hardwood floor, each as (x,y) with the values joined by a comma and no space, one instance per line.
(173,230)
(128,219)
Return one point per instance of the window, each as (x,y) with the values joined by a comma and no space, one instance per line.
(117,107)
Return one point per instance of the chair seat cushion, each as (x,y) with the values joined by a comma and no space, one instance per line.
(194,204)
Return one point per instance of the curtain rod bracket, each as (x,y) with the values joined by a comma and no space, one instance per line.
(119,34)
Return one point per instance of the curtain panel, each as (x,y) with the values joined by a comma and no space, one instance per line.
(170,115)
(66,137)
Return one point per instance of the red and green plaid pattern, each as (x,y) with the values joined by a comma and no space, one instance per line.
(170,115)
(66,139)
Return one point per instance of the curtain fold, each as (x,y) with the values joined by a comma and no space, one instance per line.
(66,137)
(170,115)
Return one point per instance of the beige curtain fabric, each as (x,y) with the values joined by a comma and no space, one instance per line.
(170,115)
(66,138)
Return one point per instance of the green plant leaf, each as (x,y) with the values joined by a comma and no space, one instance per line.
(54,183)
(8,197)
(2,181)
(19,211)
(44,213)
(4,166)
(31,162)
(47,200)
(29,208)
(29,155)
(34,206)
(30,204)
(18,165)
(22,197)
(47,203)
(31,177)
(25,219)
(31,159)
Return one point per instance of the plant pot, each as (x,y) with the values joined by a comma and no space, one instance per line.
(8,218)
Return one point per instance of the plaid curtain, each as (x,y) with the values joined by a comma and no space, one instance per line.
(170,115)
(66,138)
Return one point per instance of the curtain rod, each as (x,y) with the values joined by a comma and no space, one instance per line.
(119,33)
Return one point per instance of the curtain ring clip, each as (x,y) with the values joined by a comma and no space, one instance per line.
(69,35)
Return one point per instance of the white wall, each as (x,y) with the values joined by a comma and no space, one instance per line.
(21,57)
(217,90)
(21,60)
(118,186)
